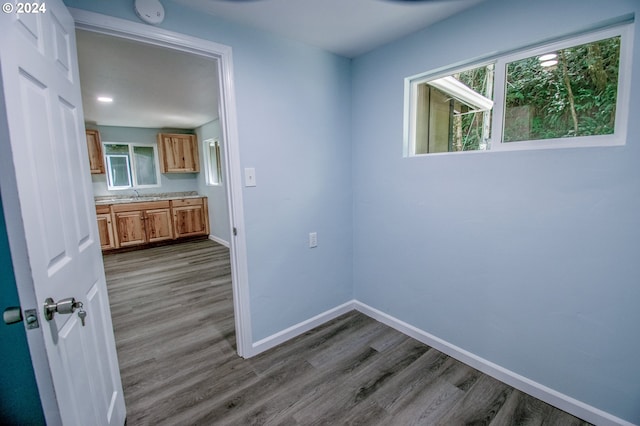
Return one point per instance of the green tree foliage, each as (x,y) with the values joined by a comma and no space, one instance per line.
(577,97)
(476,79)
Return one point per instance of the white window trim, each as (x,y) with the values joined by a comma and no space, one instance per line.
(618,138)
(110,171)
(132,167)
(209,167)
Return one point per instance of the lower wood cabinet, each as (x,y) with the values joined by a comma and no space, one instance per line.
(141,223)
(105,228)
(190,217)
(138,223)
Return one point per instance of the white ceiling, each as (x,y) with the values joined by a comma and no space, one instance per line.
(158,87)
(346,27)
(151,86)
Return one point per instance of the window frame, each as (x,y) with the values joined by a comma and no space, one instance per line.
(131,161)
(213,169)
(495,143)
(109,168)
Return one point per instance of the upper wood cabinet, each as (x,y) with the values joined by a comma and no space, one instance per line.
(178,153)
(94,146)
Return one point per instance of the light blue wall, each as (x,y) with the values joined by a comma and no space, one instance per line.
(219,223)
(294,115)
(169,182)
(527,259)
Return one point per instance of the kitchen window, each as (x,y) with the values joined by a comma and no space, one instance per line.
(569,93)
(213,162)
(131,165)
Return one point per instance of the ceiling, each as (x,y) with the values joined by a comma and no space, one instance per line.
(156,87)
(345,27)
(151,86)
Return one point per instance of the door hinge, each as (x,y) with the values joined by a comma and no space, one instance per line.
(235,231)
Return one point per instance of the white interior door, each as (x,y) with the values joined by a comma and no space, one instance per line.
(50,181)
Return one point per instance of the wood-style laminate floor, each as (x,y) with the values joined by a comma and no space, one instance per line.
(173,318)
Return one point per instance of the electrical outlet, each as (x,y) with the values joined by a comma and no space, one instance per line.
(313,239)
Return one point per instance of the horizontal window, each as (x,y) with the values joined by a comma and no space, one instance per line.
(564,94)
(131,165)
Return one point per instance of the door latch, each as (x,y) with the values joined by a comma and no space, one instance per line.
(13,315)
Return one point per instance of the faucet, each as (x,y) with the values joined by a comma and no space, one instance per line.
(136,194)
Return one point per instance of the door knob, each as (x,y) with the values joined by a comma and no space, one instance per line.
(64,306)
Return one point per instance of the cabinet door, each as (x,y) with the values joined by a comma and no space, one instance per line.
(105,229)
(94,146)
(178,153)
(158,225)
(130,228)
(189,221)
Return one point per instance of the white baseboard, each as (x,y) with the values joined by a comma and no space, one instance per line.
(548,395)
(220,241)
(300,328)
(535,389)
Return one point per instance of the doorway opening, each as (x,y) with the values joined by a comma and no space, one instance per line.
(227,122)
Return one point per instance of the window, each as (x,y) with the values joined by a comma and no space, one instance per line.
(452,113)
(563,94)
(213,162)
(131,165)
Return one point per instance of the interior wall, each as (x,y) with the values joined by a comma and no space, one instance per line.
(526,259)
(294,114)
(169,182)
(219,222)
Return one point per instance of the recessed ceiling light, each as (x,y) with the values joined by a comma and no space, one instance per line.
(548,57)
(105,99)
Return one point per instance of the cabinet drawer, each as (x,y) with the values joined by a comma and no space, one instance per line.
(185,202)
(103,209)
(143,205)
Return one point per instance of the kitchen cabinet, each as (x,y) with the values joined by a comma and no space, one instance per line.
(143,222)
(178,153)
(190,217)
(105,228)
(137,223)
(94,147)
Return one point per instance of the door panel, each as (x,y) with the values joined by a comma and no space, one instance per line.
(51,180)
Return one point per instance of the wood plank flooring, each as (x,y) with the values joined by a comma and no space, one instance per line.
(172,312)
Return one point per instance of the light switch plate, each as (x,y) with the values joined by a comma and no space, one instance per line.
(249,176)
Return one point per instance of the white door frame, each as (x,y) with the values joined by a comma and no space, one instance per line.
(228,120)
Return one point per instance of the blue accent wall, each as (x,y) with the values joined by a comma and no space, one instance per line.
(526,259)
(19,399)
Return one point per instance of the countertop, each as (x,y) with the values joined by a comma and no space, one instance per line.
(131,198)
